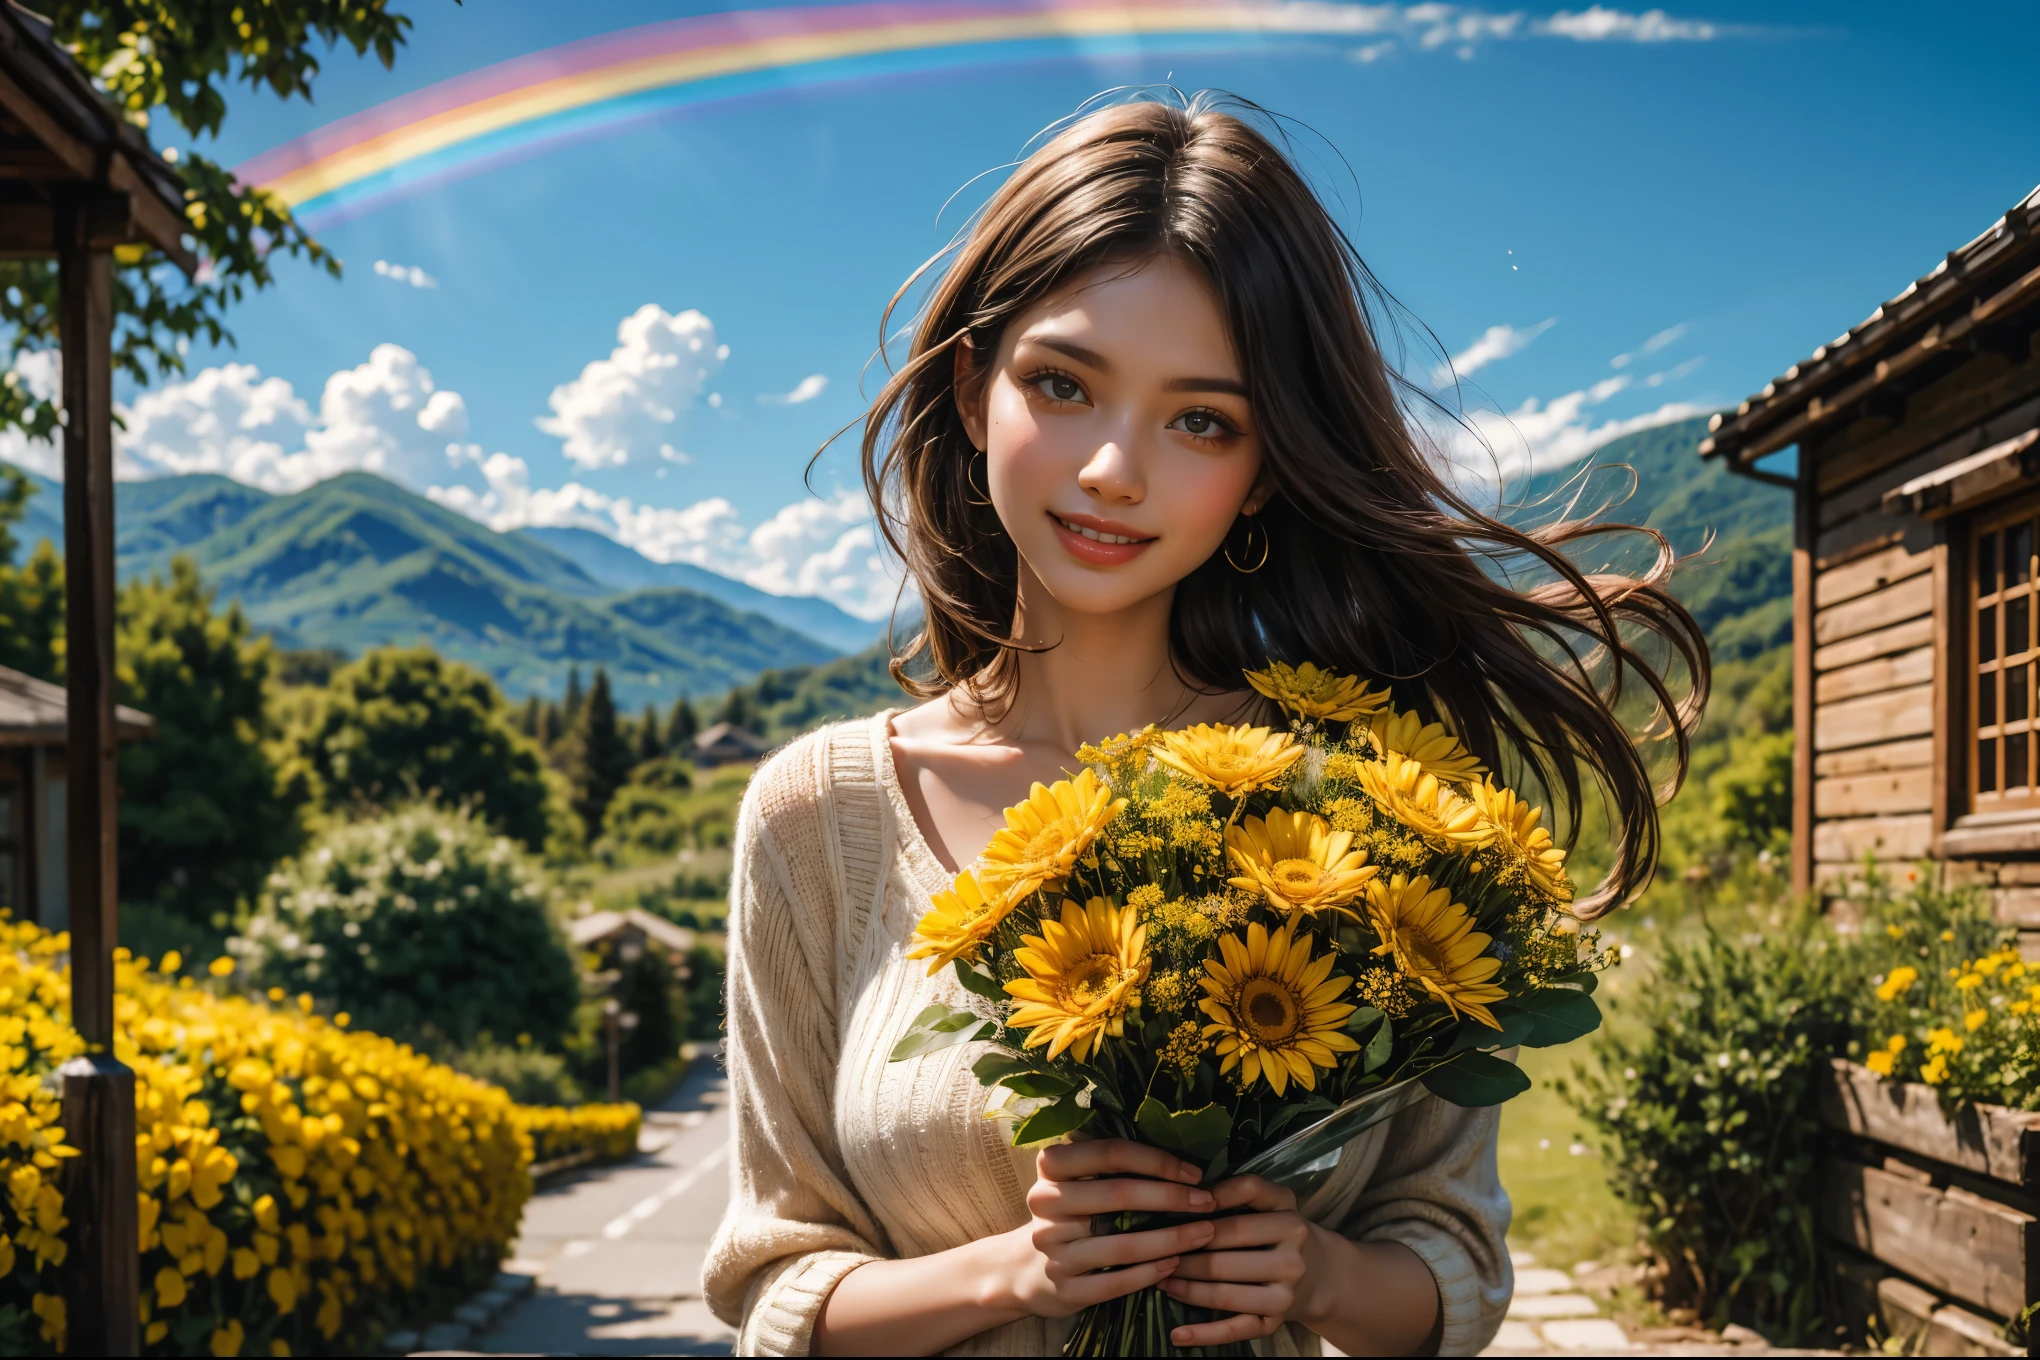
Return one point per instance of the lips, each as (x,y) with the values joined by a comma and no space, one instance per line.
(1096,546)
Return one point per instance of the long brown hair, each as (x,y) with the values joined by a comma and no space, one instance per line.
(1376,564)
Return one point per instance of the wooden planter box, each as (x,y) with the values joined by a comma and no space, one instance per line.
(1936,1220)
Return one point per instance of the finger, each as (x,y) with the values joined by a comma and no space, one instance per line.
(1252,1192)
(1121,1249)
(1243,1267)
(1224,1330)
(1086,1290)
(1257,1230)
(1120,1194)
(1254,1300)
(1112,1157)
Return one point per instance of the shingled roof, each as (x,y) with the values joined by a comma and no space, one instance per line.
(32,713)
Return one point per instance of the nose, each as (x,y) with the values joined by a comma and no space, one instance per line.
(1113,475)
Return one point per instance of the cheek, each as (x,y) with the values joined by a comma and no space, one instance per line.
(1201,497)
(1024,463)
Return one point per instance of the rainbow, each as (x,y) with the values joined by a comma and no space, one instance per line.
(600,86)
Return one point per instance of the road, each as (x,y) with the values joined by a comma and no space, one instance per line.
(617,1250)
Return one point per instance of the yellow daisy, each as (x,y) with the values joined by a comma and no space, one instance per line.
(1435,945)
(963,919)
(1082,973)
(1429,744)
(1297,861)
(1415,797)
(1275,1010)
(1046,835)
(1233,760)
(1516,826)
(1323,696)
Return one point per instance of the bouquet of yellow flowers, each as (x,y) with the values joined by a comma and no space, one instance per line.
(1246,945)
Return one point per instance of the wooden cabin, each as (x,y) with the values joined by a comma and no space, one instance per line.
(33,811)
(1916,575)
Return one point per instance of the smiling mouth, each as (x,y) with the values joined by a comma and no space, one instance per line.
(1095,535)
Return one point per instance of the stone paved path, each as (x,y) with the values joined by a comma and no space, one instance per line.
(617,1250)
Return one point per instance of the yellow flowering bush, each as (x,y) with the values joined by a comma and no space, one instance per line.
(302,1187)
(1976,1038)
(556,1131)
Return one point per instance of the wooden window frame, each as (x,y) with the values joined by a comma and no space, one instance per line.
(1985,824)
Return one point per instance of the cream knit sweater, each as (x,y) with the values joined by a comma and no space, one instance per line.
(842,1157)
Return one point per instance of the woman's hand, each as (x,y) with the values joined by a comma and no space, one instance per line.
(1255,1267)
(1058,1266)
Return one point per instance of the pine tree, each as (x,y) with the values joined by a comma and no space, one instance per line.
(649,744)
(681,727)
(528,717)
(601,758)
(570,707)
(739,710)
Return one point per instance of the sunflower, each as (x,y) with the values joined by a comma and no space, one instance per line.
(1082,974)
(1323,696)
(1435,945)
(1429,744)
(1413,796)
(1275,1010)
(1297,861)
(1516,826)
(1233,760)
(1046,834)
(964,917)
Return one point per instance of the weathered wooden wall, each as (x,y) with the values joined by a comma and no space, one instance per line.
(1884,649)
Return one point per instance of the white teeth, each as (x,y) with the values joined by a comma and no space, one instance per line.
(1094,535)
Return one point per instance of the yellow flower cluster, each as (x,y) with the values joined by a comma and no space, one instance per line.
(298,1182)
(1979,1029)
(556,1131)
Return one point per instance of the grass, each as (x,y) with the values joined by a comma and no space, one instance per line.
(1564,1211)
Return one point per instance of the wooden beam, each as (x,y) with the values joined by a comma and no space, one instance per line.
(1804,531)
(31,230)
(99,1091)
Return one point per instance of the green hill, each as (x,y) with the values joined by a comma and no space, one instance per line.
(1734,535)
(359,562)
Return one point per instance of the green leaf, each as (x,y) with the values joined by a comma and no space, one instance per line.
(1195,1135)
(1515,1029)
(940,1026)
(999,1063)
(1377,1050)
(1050,1122)
(976,979)
(1039,1084)
(1362,1020)
(1582,981)
(1476,1079)
(1558,1015)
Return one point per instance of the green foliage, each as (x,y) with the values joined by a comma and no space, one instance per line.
(177,56)
(784,703)
(32,614)
(421,923)
(681,726)
(655,815)
(600,758)
(203,813)
(1703,1106)
(405,723)
(1753,791)
(739,709)
(532,1075)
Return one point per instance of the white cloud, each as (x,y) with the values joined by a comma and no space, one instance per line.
(1537,436)
(807,389)
(41,372)
(824,547)
(1670,335)
(1495,343)
(406,273)
(625,408)
(1599,24)
(1373,51)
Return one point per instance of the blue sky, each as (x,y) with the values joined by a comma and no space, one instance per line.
(1712,207)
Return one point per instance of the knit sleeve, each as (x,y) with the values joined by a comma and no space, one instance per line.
(794,1227)
(1436,1190)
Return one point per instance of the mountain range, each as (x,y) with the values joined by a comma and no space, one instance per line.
(357,562)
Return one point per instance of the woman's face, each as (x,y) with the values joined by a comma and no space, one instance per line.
(1118,439)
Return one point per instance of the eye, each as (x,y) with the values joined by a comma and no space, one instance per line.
(1203,424)
(1058,387)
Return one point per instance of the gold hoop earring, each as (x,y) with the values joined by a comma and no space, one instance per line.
(983,497)
(1249,571)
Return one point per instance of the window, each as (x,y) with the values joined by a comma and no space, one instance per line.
(2004,660)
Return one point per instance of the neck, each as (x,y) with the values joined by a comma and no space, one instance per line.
(1100,674)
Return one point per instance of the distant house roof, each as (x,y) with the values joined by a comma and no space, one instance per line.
(1942,314)
(603,925)
(730,739)
(32,713)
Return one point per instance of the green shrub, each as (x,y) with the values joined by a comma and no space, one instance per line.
(424,925)
(1702,1101)
(529,1073)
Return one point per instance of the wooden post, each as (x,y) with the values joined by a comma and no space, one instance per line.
(1805,530)
(99,1091)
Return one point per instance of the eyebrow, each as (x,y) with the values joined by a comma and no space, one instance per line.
(1093,359)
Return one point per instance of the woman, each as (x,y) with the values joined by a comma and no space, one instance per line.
(1144,440)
